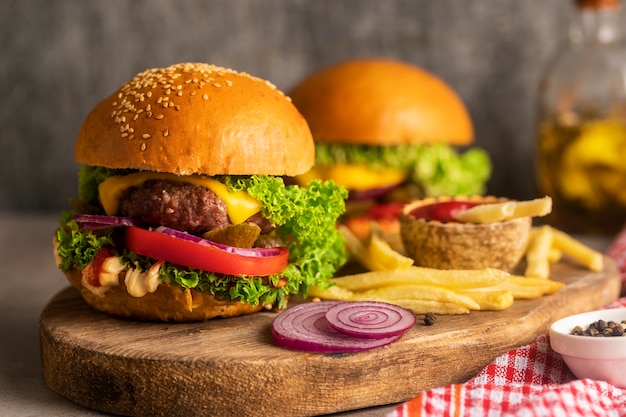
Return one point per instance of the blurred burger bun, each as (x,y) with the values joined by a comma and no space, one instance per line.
(381,102)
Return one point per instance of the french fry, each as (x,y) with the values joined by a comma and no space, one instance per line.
(568,245)
(447,278)
(538,207)
(382,257)
(420,292)
(490,298)
(529,287)
(538,252)
(548,285)
(495,212)
(375,253)
(555,255)
(418,305)
(333,292)
(486,213)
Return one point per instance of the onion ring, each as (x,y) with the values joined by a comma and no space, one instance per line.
(254,252)
(370,319)
(96,222)
(304,327)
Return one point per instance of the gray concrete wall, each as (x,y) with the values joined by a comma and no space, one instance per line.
(59,58)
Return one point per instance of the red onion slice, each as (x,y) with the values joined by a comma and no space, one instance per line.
(95,222)
(254,252)
(370,319)
(304,327)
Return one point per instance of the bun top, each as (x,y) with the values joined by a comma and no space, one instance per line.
(381,102)
(194,118)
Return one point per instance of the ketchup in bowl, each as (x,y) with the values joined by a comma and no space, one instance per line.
(442,211)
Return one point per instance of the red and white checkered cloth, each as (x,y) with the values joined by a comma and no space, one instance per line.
(531,380)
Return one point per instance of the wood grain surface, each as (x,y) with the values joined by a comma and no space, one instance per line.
(231,367)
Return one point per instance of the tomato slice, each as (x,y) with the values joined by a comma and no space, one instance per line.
(196,255)
(442,211)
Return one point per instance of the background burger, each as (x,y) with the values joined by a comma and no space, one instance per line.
(182,213)
(389,132)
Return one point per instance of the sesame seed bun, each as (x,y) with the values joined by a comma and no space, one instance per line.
(381,102)
(197,119)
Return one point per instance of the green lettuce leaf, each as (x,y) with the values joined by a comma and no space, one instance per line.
(436,169)
(77,248)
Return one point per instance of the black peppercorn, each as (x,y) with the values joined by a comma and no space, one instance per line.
(601,328)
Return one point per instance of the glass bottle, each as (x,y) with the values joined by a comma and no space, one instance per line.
(581,146)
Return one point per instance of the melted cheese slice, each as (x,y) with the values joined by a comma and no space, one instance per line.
(354,176)
(240,205)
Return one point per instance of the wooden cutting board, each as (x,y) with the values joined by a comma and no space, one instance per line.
(231,367)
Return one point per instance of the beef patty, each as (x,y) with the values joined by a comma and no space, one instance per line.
(179,205)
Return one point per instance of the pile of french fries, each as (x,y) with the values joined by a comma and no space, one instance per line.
(392,277)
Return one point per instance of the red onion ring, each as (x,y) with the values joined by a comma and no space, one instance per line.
(255,252)
(304,327)
(370,319)
(96,222)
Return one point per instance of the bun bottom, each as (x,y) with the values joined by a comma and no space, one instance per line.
(166,304)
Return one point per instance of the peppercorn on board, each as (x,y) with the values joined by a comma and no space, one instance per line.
(228,367)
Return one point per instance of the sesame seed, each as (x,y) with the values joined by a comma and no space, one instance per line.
(143,147)
(193,92)
(229,83)
(148,107)
(166,133)
(158,116)
(177,107)
(205,97)
(124,134)
(149,114)
(146,136)
(179,93)
(149,94)
(218,85)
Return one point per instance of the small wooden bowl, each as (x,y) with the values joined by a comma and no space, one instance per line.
(454,245)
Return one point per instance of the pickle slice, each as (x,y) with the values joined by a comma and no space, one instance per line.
(242,235)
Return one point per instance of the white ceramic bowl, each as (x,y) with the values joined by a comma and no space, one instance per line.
(599,358)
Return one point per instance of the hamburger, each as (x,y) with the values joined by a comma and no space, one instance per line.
(182,211)
(389,132)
